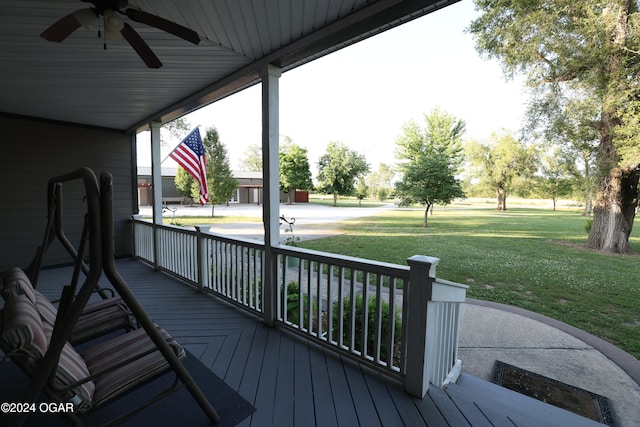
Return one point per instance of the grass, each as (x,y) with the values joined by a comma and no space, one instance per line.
(531,258)
(345,202)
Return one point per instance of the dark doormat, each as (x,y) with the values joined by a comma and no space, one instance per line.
(553,392)
(179,408)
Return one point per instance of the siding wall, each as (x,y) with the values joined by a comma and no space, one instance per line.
(31,152)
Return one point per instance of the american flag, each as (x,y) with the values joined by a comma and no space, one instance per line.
(190,155)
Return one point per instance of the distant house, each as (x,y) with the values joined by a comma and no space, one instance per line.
(249,189)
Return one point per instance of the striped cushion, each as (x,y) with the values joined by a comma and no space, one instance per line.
(97,318)
(72,368)
(23,331)
(16,282)
(124,347)
(47,310)
(102,317)
(27,337)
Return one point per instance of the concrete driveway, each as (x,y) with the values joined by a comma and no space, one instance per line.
(311,221)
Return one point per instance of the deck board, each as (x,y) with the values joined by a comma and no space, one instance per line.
(303,409)
(284,391)
(290,380)
(345,409)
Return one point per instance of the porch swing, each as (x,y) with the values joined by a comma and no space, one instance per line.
(97,318)
(106,371)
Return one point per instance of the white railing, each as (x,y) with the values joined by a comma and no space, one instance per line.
(233,269)
(351,304)
(398,319)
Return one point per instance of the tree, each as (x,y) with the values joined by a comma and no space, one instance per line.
(555,178)
(362,190)
(429,180)
(379,182)
(338,170)
(220,180)
(186,185)
(500,164)
(252,158)
(577,55)
(173,132)
(429,159)
(295,173)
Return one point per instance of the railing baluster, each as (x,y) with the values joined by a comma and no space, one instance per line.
(352,311)
(378,317)
(340,307)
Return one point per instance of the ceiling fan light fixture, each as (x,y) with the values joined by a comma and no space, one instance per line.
(112,21)
(112,34)
(86,17)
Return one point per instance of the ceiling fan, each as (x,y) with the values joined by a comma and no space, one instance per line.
(112,13)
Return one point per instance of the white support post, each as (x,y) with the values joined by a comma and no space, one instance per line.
(416,297)
(271,187)
(156,186)
(203,263)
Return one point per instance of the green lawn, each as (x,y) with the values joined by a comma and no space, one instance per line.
(345,202)
(531,258)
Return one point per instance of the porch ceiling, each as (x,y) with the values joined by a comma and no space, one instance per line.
(76,81)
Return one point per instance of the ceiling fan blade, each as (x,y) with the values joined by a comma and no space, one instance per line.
(140,46)
(163,24)
(61,29)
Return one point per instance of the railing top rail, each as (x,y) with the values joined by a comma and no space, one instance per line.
(172,227)
(446,291)
(253,244)
(396,270)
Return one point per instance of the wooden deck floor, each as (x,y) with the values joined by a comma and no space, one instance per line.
(294,383)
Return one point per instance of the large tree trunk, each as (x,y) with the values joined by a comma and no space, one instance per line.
(502,199)
(615,205)
(614,211)
(588,206)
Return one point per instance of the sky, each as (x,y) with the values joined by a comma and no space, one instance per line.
(363,94)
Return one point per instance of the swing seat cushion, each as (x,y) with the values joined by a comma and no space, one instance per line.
(25,337)
(144,362)
(16,282)
(97,318)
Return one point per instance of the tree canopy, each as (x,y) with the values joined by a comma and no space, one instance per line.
(555,177)
(338,169)
(295,173)
(442,134)
(186,184)
(252,160)
(220,179)
(582,59)
(429,180)
(501,164)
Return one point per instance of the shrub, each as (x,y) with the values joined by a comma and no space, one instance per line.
(293,305)
(372,326)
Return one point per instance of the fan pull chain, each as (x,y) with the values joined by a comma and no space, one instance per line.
(104,39)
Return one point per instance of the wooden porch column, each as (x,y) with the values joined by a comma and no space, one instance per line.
(417,296)
(156,187)
(270,76)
